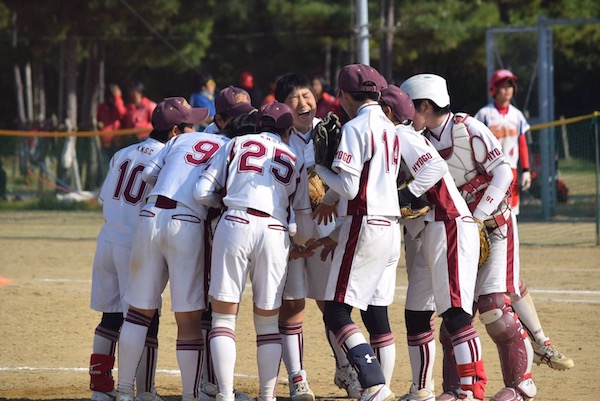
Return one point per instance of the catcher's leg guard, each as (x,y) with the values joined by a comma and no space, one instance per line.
(514,348)
(101,373)
(450,377)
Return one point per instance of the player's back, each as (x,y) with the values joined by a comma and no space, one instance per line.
(262,174)
(371,151)
(124,193)
(180,164)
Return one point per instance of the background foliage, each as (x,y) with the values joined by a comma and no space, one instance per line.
(164,44)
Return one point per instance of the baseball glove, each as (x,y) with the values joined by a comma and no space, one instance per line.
(326,138)
(485,243)
(411,207)
(316,188)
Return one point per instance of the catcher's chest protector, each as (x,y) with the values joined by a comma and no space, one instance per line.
(462,158)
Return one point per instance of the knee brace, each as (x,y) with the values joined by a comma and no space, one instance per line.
(417,321)
(266,324)
(455,319)
(506,331)
(111,321)
(336,315)
(223,320)
(376,320)
(153,329)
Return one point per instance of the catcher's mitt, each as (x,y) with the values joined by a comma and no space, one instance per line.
(326,138)
(316,188)
(485,243)
(411,207)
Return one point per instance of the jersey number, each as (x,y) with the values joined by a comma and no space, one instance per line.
(125,185)
(395,151)
(203,151)
(283,169)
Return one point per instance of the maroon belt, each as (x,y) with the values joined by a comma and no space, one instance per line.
(258,213)
(162,202)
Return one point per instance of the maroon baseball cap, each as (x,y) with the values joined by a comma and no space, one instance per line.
(233,101)
(360,78)
(275,115)
(173,111)
(401,104)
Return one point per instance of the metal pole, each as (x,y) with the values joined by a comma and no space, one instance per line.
(362,22)
(546,157)
(489,53)
(597,143)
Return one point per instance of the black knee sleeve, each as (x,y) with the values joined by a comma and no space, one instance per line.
(336,315)
(417,321)
(455,319)
(153,329)
(376,320)
(112,321)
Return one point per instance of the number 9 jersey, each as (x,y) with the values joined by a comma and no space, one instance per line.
(124,193)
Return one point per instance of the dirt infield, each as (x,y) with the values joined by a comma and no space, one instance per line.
(46,325)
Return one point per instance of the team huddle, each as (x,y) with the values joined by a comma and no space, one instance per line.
(311,208)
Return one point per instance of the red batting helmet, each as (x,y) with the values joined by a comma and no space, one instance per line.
(499,77)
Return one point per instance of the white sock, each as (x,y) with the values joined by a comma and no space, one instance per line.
(292,342)
(223,349)
(338,352)
(268,353)
(384,346)
(131,347)
(146,371)
(189,357)
(421,352)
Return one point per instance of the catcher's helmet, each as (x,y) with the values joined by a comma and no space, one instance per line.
(499,77)
(427,86)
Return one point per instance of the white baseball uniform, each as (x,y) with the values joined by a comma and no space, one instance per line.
(441,258)
(262,180)
(363,271)
(307,277)
(510,129)
(168,245)
(476,162)
(122,196)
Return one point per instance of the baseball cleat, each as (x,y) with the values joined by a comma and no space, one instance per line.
(347,378)
(456,396)
(209,391)
(149,396)
(299,390)
(507,394)
(125,397)
(552,357)
(379,392)
(100,396)
(418,395)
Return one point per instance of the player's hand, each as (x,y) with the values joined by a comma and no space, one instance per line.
(525,180)
(325,213)
(327,243)
(299,251)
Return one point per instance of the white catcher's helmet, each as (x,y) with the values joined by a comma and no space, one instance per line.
(427,86)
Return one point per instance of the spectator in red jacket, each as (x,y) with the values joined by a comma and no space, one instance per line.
(109,114)
(139,111)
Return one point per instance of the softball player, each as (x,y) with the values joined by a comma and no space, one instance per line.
(363,270)
(508,124)
(167,246)
(307,277)
(261,177)
(483,176)
(443,277)
(122,196)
